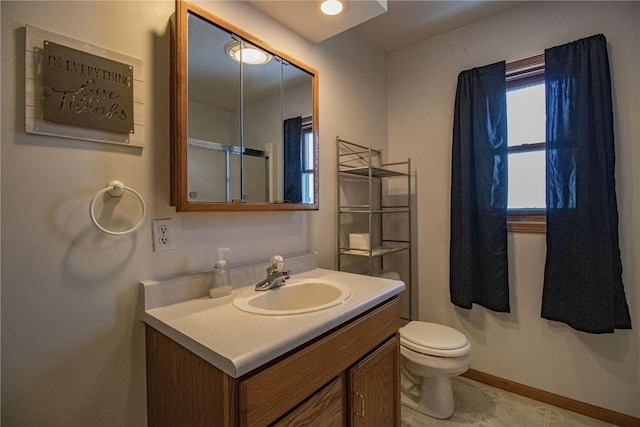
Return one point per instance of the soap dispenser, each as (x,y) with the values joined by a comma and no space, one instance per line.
(220,283)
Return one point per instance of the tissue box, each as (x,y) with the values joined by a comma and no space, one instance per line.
(359,241)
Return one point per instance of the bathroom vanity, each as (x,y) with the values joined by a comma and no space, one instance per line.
(209,363)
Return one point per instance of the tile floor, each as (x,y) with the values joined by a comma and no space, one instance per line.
(481,405)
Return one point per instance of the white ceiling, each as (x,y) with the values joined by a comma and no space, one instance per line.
(304,16)
(403,24)
(409,22)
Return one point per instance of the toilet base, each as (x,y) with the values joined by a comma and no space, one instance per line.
(435,398)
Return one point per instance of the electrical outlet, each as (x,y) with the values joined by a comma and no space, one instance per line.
(162,234)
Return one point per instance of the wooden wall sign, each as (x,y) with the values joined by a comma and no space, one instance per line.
(77,90)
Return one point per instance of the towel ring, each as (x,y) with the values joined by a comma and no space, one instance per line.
(117,189)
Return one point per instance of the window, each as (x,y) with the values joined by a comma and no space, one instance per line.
(526,130)
(308,153)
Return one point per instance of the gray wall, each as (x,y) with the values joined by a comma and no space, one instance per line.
(602,370)
(72,346)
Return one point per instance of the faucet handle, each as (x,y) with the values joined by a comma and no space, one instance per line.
(277,263)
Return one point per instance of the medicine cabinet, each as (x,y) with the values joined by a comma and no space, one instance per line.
(244,120)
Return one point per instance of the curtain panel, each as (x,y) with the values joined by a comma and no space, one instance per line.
(293,160)
(478,248)
(583,272)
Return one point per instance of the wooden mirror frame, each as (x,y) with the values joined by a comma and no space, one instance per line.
(179,110)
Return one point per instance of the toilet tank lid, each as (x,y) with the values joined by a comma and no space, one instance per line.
(433,335)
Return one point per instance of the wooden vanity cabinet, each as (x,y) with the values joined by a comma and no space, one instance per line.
(349,376)
(371,385)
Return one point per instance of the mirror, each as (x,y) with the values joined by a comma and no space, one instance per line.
(244,120)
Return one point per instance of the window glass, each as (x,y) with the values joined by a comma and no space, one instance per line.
(526,119)
(307,166)
(308,150)
(527,180)
(526,115)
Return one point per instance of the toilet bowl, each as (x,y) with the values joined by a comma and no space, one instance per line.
(430,355)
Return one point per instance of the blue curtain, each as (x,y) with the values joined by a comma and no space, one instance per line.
(583,273)
(293,160)
(478,249)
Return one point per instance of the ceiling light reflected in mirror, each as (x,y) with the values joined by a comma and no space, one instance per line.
(247,53)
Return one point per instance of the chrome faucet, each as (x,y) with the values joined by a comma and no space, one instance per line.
(275,275)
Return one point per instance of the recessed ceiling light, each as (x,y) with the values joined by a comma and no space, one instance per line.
(331,7)
(247,53)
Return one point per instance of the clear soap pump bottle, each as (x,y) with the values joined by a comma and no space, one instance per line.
(220,283)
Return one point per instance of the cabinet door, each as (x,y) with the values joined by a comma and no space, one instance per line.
(322,410)
(374,387)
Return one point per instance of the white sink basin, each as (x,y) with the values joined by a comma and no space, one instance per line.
(297,296)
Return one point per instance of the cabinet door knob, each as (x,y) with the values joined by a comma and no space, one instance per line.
(361,414)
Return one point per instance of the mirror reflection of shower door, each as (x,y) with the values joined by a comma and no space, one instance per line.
(234,172)
(256,184)
(214,170)
(206,167)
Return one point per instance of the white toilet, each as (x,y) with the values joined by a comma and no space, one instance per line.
(430,355)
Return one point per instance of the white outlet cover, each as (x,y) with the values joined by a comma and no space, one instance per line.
(163,234)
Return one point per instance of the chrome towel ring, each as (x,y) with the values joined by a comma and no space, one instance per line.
(117,189)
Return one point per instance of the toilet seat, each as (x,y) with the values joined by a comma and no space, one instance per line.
(433,339)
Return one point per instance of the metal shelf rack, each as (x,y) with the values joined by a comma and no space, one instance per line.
(363,166)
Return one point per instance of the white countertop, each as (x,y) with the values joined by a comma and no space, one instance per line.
(238,342)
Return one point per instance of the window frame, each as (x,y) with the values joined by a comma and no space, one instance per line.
(521,73)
